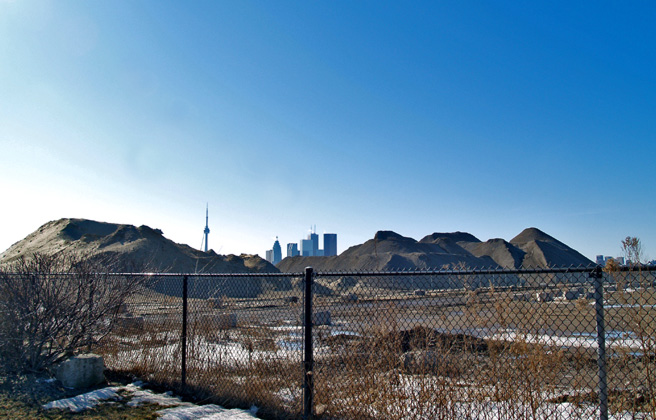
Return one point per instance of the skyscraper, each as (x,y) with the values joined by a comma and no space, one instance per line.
(306,248)
(292,250)
(329,244)
(277,252)
(315,242)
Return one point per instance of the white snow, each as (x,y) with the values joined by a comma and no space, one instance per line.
(568,341)
(85,401)
(206,412)
(137,396)
(144,396)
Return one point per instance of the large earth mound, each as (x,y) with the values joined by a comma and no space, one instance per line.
(130,248)
(543,250)
(390,251)
(126,248)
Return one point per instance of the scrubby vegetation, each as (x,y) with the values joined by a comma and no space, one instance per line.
(52,305)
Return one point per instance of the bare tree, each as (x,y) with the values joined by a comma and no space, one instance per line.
(54,305)
(612,267)
(632,250)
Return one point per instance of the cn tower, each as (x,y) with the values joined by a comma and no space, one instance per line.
(207,228)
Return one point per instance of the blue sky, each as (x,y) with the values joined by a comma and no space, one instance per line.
(354,116)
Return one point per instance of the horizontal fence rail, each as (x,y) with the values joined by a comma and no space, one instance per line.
(561,343)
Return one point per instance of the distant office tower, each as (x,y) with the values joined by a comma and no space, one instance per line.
(600,260)
(315,243)
(277,252)
(329,244)
(619,260)
(292,250)
(306,248)
(269,255)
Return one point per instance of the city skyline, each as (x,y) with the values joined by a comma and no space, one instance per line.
(419,117)
(274,255)
(308,247)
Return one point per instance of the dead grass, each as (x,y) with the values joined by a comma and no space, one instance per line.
(438,356)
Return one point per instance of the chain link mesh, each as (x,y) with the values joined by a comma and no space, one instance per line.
(435,345)
(243,339)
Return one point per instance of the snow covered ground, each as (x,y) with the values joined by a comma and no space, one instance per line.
(240,350)
(179,410)
(580,340)
(135,396)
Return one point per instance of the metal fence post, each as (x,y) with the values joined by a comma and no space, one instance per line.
(601,342)
(308,357)
(184,333)
(89,332)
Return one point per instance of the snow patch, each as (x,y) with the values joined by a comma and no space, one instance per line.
(145,396)
(206,412)
(179,411)
(85,401)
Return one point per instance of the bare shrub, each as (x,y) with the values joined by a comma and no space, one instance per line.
(639,319)
(53,305)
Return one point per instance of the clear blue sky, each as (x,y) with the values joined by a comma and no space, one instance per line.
(356,116)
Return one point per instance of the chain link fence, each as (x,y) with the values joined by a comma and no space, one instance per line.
(471,344)
(233,339)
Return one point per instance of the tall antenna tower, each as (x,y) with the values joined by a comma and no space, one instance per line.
(207,228)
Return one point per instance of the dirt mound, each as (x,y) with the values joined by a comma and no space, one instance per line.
(393,252)
(390,251)
(542,250)
(127,248)
(532,234)
(130,248)
(453,236)
(503,253)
